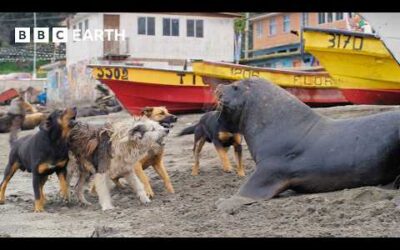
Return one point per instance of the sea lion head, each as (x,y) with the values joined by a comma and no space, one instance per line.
(232,99)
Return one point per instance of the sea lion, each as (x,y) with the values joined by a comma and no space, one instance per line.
(296,148)
(33,120)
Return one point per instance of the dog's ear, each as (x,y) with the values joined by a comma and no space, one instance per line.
(147,111)
(47,124)
(138,131)
(50,121)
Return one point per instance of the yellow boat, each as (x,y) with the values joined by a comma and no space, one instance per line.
(309,86)
(360,64)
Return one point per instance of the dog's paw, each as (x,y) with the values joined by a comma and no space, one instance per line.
(170,189)
(144,199)
(149,193)
(65,196)
(2,202)
(38,210)
(227,170)
(66,199)
(85,203)
(107,207)
(241,173)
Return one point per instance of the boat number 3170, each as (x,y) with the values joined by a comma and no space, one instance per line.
(342,41)
(112,73)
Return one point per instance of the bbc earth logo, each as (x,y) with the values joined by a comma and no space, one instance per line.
(61,35)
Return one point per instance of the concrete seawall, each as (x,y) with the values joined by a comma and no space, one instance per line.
(23,84)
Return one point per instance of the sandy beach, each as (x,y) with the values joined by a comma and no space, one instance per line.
(191,211)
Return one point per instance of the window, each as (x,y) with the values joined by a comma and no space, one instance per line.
(286,23)
(146,26)
(80,25)
(259,29)
(86,24)
(321,17)
(330,17)
(199,28)
(175,27)
(272,26)
(305,19)
(170,27)
(194,28)
(339,15)
(166,27)
(151,29)
(142,26)
(74,28)
(190,28)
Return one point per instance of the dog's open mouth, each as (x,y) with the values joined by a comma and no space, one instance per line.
(72,122)
(167,125)
(161,141)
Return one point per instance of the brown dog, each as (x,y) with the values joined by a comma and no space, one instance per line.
(155,159)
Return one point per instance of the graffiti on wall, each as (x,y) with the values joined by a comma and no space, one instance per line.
(72,84)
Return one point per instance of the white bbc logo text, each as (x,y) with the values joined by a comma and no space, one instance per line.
(60,35)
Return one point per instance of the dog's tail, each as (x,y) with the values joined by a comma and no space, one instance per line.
(188,131)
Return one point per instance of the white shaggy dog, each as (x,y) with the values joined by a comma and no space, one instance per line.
(130,140)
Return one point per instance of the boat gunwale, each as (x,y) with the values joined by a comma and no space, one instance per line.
(137,67)
(213,78)
(340,31)
(155,84)
(269,70)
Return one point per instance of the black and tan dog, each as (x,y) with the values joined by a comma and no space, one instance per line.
(42,154)
(212,128)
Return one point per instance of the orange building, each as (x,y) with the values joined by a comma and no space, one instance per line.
(276,36)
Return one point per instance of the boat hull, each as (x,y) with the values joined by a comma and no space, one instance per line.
(312,88)
(373,97)
(319,97)
(137,87)
(136,95)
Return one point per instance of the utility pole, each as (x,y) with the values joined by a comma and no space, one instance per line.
(34,49)
(246,36)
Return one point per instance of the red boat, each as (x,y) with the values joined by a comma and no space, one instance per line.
(8,95)
(138,87)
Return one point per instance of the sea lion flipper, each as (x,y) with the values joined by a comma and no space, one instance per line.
(232,204)
(262,185)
